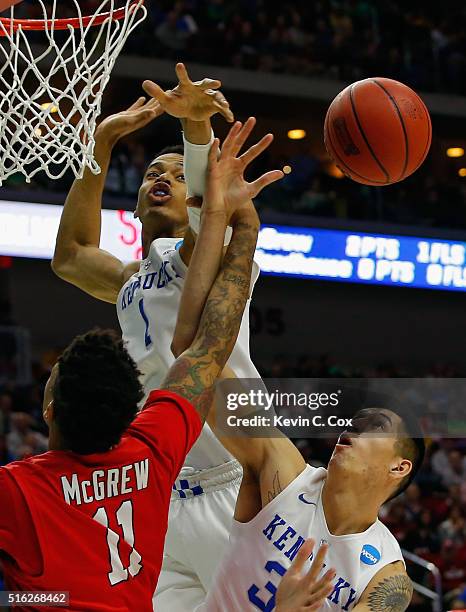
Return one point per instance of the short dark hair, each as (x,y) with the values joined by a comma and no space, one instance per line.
(410,443)
(179,149)
(96,392)
(411,446)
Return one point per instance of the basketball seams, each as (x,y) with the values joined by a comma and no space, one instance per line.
(349,171)
(371,151)
(429,140)
(403,126)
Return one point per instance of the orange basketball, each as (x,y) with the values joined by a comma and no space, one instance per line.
(378,131)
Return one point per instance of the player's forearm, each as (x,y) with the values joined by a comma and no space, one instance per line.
(224,308)
(194,373)
(197,138)
(197,132)
(81,217)
(203,269)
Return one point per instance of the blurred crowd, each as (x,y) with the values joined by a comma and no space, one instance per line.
(422,43)
(429,519)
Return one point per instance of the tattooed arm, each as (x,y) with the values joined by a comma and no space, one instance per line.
(225,176)
(193,374)
(390,590)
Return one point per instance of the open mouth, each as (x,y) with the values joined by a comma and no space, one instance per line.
(345,440)
(160,192)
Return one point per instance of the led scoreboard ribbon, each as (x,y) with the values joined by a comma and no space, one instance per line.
(358,257)
(29,230)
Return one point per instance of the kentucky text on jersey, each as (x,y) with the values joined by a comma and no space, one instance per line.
(106,483)
(286,539)
(148,282)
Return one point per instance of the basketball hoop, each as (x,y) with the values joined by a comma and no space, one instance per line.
(51,91)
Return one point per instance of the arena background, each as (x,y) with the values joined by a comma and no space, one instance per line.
(284,63)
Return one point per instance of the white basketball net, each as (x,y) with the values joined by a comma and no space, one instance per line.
(51,94)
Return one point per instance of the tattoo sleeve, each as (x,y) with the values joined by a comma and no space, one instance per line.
(194,373)
(391,595)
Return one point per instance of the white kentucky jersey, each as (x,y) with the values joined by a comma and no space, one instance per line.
(147,310)
(261,551)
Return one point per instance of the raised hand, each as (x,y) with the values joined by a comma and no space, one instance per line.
(298,593)
(229,168)
(196,100)
(138,115)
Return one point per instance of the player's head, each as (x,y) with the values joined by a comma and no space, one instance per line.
(380,448)
(92,394)
(161,203)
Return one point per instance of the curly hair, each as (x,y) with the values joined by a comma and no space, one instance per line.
(96,392)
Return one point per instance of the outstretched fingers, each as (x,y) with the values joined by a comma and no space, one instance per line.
(155,91)
(182,74)
(221,104)
(209,84)
(266,179)
(317,565)
(138,104)
(302,556)
(324,585)
(227,146)
(140,113)
(248,156)
(321,590)
(214,153)
(242,136)
(148,111)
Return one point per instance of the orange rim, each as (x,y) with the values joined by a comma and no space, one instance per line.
(63,24)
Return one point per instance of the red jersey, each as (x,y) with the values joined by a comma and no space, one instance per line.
(95,525)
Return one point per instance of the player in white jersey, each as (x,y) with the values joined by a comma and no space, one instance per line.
(147,294)
(283,502)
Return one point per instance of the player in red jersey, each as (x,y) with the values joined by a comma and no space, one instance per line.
(89,516)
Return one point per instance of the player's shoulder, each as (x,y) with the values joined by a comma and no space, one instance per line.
(389,589)
(34,464)
(4,474)
(161,406)
(163,246)
(11,473)
(161,252)
(159,398)
(387,536)
(309,481)
(383,528)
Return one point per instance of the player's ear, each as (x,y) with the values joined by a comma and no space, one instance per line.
(47,412)
(400,468)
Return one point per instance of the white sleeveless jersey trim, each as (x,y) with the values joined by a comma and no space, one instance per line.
(147,309)
(261,550)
